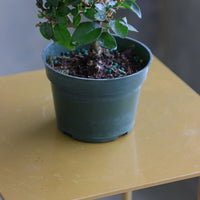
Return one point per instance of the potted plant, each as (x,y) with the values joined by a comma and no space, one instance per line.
(96,72)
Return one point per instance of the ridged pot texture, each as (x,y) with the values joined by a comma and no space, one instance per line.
(96,110)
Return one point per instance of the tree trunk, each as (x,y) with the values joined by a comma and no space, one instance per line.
(96,49)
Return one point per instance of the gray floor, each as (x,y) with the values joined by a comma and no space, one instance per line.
(170,29)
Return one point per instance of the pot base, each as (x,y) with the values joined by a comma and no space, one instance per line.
(94,140)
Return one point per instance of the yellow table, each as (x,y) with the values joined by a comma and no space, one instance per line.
(39,162)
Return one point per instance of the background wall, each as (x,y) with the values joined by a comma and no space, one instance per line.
(20,41)
(169,28)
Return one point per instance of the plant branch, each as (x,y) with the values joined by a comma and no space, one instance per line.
(70,22)
(86,4)
(38,24)
(40,6)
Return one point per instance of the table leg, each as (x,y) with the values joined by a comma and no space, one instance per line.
(127,195)
(199,190)
(1,197)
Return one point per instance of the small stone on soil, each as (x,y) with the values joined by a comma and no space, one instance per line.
(111,63)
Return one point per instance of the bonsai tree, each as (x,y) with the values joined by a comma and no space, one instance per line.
(88,109)
(60,15)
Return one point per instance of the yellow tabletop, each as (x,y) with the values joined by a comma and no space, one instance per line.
(39,162)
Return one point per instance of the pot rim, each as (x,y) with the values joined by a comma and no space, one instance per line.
(99,80)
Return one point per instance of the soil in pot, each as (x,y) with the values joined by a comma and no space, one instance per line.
(111,63)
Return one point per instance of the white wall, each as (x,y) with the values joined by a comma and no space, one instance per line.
(20,42)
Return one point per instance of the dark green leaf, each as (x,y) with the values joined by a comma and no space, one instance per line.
(50,13)
(76,20)
(62,10)
(53,3)
(131,5)
(106,40)
(63,36)
(75,2)
(47,5)
(46,30)
(61,20)
(39,3)
(75,11)
(90,13)
(40,15)
(67,2)
(72,2)
(118,27)
(86,32)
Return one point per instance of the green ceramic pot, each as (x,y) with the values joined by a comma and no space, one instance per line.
(94,110)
